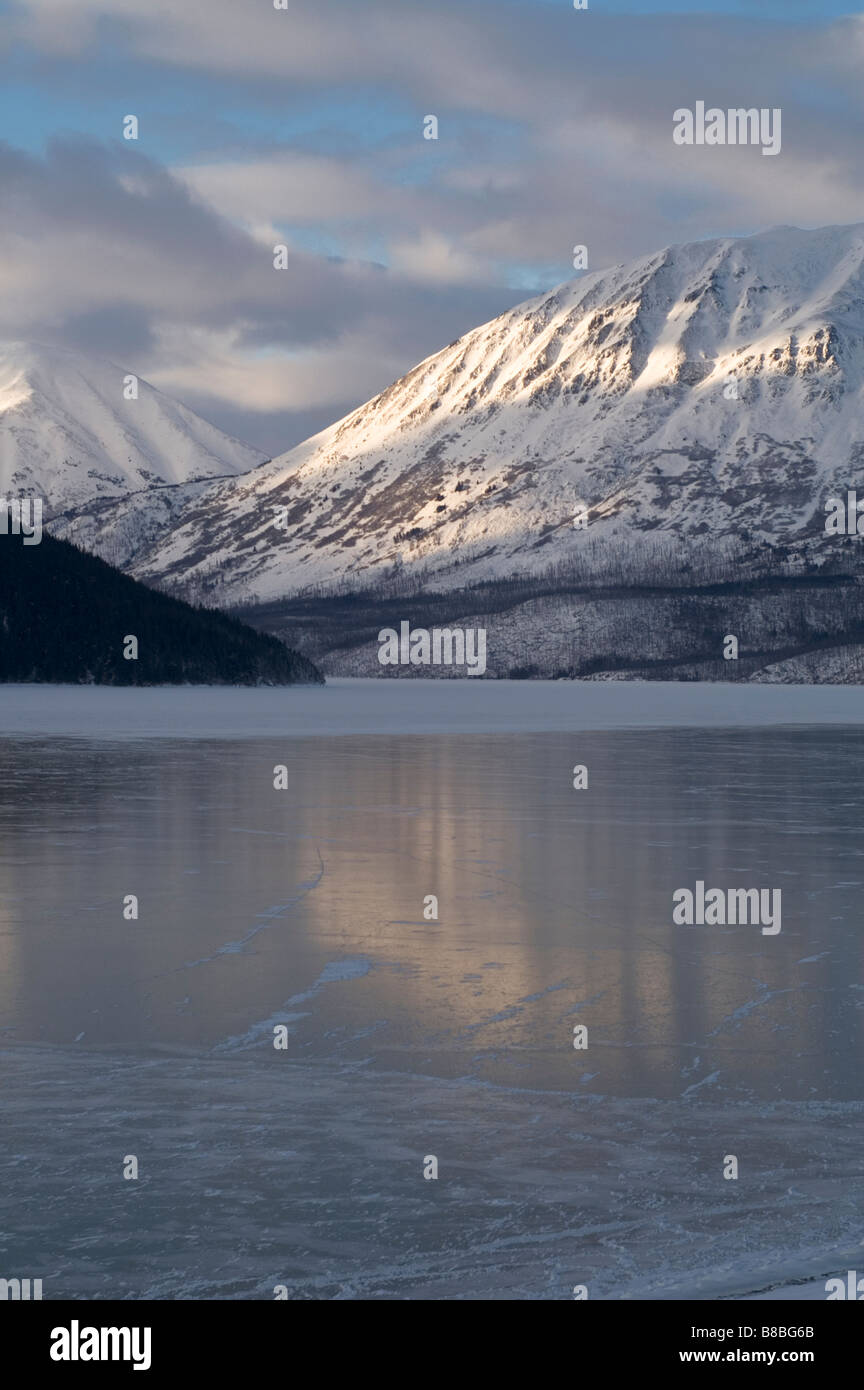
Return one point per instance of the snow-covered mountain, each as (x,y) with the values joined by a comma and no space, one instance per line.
(708,391)
(69,435)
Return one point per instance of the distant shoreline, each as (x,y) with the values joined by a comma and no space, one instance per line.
(370,707)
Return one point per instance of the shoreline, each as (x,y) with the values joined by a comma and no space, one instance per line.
(355,706)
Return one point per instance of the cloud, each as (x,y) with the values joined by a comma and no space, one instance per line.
(555,130)
(103,250)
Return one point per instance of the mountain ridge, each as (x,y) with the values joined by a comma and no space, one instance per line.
(712,389)
(69,435)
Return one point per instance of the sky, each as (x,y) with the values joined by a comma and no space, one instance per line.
(304,127)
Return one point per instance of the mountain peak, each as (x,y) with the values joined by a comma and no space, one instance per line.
(72,430)
(713,387)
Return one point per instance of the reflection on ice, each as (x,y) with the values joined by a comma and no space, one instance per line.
(303,911)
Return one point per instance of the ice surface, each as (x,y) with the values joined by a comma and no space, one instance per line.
(408,1037)
(311,1176)
(368,706)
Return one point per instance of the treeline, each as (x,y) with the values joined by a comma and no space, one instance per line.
(556,628)
(597,565)
(327,621)
(65,617)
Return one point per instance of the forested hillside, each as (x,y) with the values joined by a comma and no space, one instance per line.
(66,616)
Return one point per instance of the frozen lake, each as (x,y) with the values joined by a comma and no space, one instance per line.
(407,1037)
(349,707)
